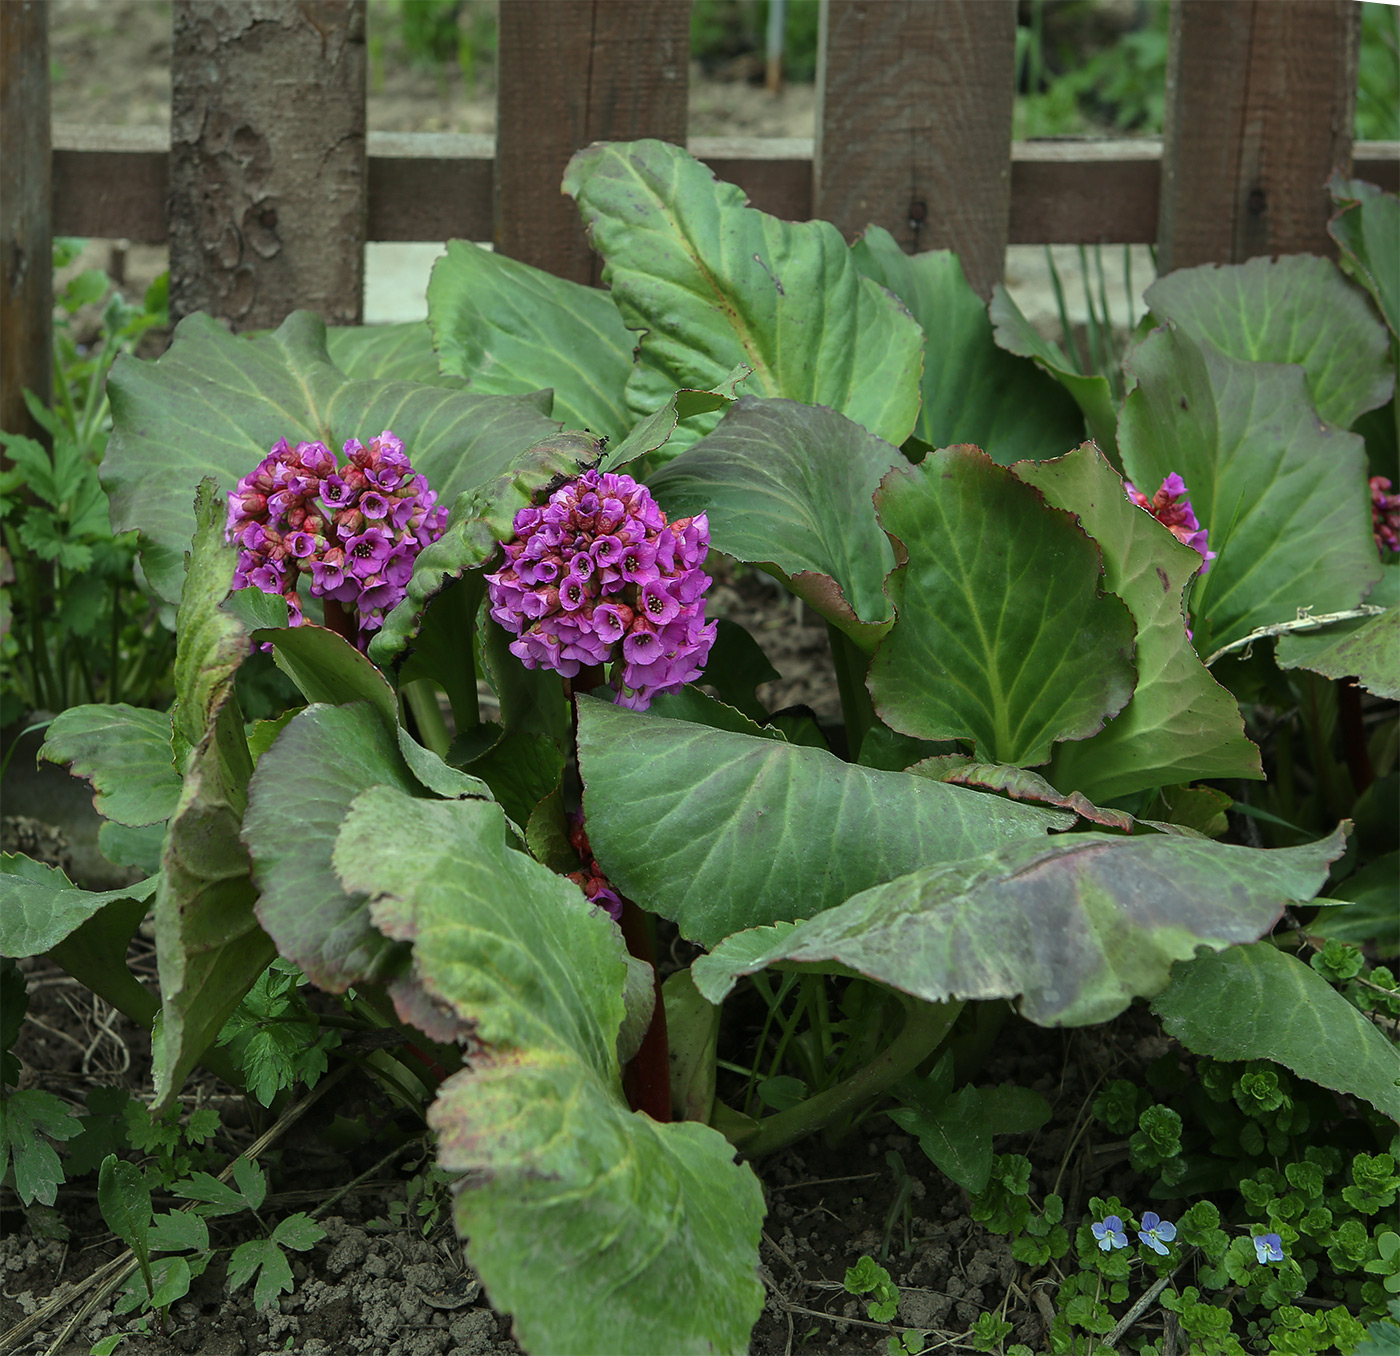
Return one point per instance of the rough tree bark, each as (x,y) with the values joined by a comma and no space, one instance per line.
(268,174)
(26,242)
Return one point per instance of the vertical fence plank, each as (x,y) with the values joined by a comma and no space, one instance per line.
(1261,96)
(914,103)
(572,72)
(26,243)
(268,176)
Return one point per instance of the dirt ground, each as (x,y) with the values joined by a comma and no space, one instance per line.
(387,1291)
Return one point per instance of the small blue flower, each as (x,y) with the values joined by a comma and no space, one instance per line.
(1268,1248)
(1156,1232)
(1110,1234)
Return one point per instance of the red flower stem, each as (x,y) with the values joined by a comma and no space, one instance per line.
(337,620)
(647,1077)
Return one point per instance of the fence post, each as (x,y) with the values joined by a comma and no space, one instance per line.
(1261,99)
(267,160)
(26,241)
(914,103)
(572,72)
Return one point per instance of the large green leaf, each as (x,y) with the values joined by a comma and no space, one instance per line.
(209,947)
(1293,309)
(1013,332)
(215,403)
(1255,1002)
(599,1229)
(510,329)
(387,353)
(1367,228)
(722,831)
(973,391)
(1076,927)
(125,752)
(1001,633)
(1180,723)
(298,798)
(792,487)
(478,522)
(40,906)
(712,283)
(1367,650)
(1285,498)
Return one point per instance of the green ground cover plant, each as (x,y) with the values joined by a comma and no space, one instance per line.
(1068,616)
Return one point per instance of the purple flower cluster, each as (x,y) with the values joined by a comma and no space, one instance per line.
(598,576)
(591,880)
(354,529)
(1170,507)
(1385,516)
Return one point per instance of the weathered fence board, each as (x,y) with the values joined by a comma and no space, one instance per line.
(1261,98)
(26,243)
(268,179)
(914,102)
(572,72)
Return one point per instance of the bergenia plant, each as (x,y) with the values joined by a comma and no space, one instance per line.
(525,748)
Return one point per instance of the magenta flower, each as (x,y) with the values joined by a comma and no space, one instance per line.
(1170,507)
(598,576)
(353,531)
(1385,516)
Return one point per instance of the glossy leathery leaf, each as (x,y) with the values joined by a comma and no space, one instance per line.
(1293,309)
(402,352)
(40,906)
(650,444)
(1255,1002)
(1367,229)
(209,947)
(1019,783)
(1367,649)
(712,283)
(299,796)
(509,329)
(722,831)
(1014,333)
(1284,498)
(214,404)
(791,487)
(1002,634)
(565,1190)
(1180,723)
(973,390)
(1075,928)
(125,752)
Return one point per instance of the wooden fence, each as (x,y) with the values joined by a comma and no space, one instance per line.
(268,185)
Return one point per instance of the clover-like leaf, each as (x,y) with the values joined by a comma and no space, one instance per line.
(1001,632)
(1075,928)
(1255,1002)
(1293,309)
(1284,497)
(711,283)
(792,487)
(973,390)
(1180,723)
(566,1192)
(214,404)
(723,831)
